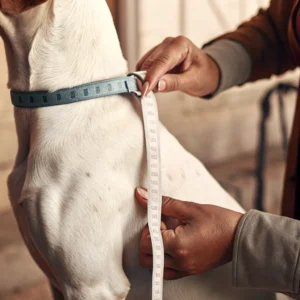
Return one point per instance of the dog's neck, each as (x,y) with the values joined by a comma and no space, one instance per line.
(60,44)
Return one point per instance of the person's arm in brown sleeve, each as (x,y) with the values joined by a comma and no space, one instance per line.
(265,38)
(258,49)
(266,253)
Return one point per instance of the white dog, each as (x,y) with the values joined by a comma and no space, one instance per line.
(72,187)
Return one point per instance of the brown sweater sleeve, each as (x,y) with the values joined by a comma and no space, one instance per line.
(265,37)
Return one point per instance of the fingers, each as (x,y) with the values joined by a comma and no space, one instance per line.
(142,60)
(155,54)
(168,236)
(171,274)
(171,83)
(173,239)
(177,80)
(142,197)
(167,60)
(180,210)
(172,53)
(178,64)
(146,261)
(170,269)
(146,61)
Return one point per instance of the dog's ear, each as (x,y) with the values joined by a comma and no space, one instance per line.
(14,7)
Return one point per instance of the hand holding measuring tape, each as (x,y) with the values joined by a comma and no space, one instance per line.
(177,64)
(196,237)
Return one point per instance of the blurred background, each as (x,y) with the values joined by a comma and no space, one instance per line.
(243,150)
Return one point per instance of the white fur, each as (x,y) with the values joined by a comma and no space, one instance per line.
(72,187)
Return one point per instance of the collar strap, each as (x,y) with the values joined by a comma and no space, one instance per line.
(98,89)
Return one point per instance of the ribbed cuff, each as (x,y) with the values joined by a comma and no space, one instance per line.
(266,253)
(233,61)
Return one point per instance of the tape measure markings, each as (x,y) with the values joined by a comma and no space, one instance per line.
(151,127)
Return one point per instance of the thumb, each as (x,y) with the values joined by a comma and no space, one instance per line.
(170,83)
(176,209)
(173,208)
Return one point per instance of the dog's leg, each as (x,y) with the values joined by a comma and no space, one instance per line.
(85,251)
(56,294)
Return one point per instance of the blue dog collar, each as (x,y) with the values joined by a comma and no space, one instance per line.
(98,89)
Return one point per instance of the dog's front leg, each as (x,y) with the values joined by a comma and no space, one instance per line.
(81,243)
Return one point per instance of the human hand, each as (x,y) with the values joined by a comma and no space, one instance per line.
(178,64)
(197,237)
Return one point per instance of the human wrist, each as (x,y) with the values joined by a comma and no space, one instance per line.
(214,78)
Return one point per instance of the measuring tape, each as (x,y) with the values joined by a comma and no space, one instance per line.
(151,125)
(151,128)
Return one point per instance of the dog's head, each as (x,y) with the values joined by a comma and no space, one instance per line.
(14,7)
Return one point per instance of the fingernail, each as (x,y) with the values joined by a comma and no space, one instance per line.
(143,193)
(161,86)
(145,89)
